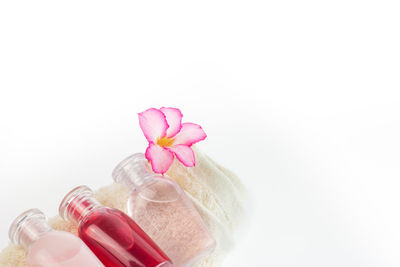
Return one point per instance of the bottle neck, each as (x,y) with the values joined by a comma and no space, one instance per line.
(134,172)
(77,204)
(28,227)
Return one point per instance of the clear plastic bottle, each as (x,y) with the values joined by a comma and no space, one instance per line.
(47,247)
(113,236)
(162,209)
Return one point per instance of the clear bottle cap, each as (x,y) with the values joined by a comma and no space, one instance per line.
(28,227)
(77,203)
(133,171)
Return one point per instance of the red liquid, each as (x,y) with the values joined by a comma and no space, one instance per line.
(118,241)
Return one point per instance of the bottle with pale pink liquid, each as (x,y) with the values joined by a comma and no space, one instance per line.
(47,247)
(162,209)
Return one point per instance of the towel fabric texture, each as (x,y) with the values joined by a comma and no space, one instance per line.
(217,193)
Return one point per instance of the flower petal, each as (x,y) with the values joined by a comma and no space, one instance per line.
(185,154)
(153,123)
(174,120)
(160,158)
(190,133)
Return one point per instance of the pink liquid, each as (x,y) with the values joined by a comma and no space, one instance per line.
(118,241)
(168,216)
(61,249)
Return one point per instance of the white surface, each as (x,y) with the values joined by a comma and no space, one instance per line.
(300,98)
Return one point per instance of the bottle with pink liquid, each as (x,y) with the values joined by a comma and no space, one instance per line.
(113,236)
(47,247)
(162,209)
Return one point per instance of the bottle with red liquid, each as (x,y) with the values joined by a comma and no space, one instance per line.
(114,237)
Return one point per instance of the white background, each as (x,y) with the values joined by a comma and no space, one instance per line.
(300,98)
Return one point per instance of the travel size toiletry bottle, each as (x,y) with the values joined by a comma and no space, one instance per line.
(162,209)
(111,234)
(47,247)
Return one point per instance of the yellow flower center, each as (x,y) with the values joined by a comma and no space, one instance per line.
(165,142)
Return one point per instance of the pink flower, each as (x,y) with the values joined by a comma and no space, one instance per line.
(168,138)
